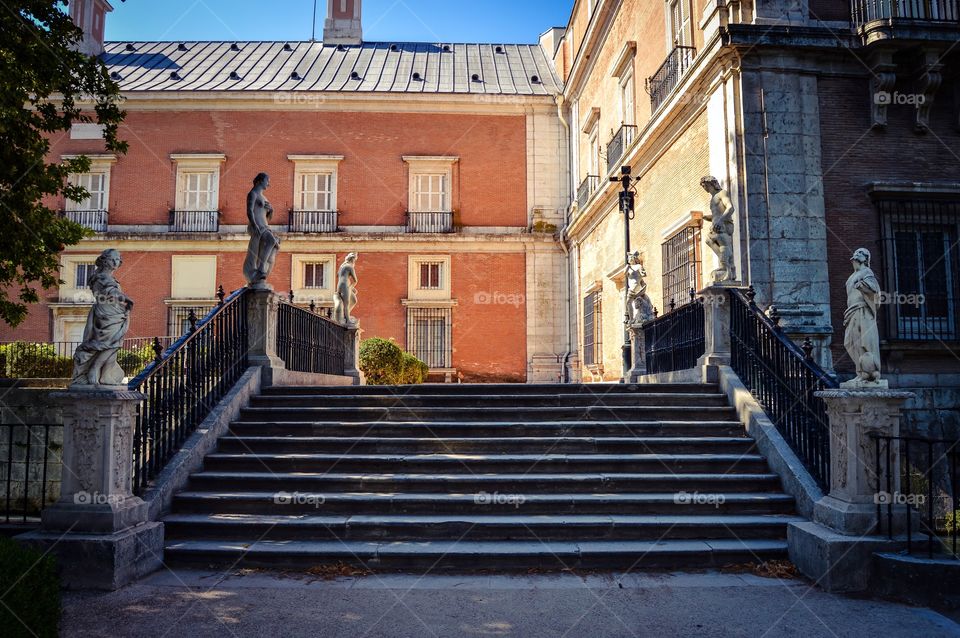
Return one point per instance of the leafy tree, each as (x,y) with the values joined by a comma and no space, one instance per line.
(45,86)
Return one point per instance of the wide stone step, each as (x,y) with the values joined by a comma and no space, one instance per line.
(483,484)
(506,428)
(454,555)
(410,401)
(287,503)
(585,413)
(233,527)
(368,444)
(480,463)
(506,389)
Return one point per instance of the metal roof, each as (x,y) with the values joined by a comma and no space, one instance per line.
(381,67)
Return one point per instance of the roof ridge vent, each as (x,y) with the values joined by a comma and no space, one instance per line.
(394,47)
(175,76)
(234,47)
(476,77)
(115,76)
(446,48)
(498,49)
(130,47)
(535,79)
(354,76)
(182,47)
(287,47)
(340,47)
(235,76)
(417,77)
(295,76)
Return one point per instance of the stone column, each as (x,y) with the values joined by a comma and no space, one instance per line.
(99,530)
(638,340)
(351,352)
(263,306)
(716,317)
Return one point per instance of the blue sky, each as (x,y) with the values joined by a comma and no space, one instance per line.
(384,20)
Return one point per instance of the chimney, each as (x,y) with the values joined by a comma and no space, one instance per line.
(342,25)
(90,15)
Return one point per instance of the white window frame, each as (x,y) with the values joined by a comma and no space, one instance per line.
(628,98)
(206,264)
(304,165)
(678,35)
(414,291)
(192,164)
(591,128)
(302,294)
(423,166)
(70,291)
(101,165)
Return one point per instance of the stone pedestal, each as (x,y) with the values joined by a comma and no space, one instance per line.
(99,530)
(638,342)
(263,306)
(351,363)
(716,317)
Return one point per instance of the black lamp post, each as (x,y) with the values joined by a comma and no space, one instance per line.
(627,202)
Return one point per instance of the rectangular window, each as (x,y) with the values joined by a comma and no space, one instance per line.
(628,108)
(96,185)
(82,274)
(922,264)
(430,276)
(316,192)
(593,161)
(313,275)
(193,277)
(180,318)
(592,326)
(681,267)
(431,193)
(199,191)
(430,336)
(679,22)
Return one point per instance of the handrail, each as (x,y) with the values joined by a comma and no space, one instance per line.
(310,342)
(676,340)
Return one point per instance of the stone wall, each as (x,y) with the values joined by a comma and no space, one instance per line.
(23,413)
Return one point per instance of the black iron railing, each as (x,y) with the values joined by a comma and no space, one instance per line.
(433,222)
(430,336)
(676,340)
(783,378)
(310,342)
(866,11)
(586,190)
(313,221)
(619,144)
(662,83)
(54,359)
(30,465)
(95,220)
(184,384)
(194,221)
(916,492)
(183,319)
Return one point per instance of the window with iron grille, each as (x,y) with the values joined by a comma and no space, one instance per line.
(592,329)
(921,265)
(681,266)
(84,271)
(430,336)
(313,275)
(431,274)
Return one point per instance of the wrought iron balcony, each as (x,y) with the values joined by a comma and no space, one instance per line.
(621,141)
(313,221)
(587,188)
(95,220)
(430,222)
(662,83)
(194,221)
(867,11)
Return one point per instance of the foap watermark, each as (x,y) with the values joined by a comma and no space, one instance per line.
(298,98)
(514,299)
(885,98)
(898,498)
(696,498)
(296,498)
(496,498)
(97,498)
(897,298)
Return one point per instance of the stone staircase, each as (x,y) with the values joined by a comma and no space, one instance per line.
(471,477)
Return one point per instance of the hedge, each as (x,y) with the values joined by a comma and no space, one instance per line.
(30,590)
(384,363)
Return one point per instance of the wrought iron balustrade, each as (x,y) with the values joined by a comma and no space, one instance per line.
(586,190)
(313,221)
(676,340)
(54,359)
(95,220)
(783,379)
(662,83)
(30,469)
(430,222)
(619,144)
(194,221)
(310,342)
(184,384)
(866,11)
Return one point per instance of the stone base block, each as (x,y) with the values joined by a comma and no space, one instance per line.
(79,516)
(852,518)
(835,562)
(102,561)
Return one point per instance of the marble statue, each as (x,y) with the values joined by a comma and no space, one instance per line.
(639,305)
(345,297)
(861,337)
(264,245)
(720,237)
(95,360)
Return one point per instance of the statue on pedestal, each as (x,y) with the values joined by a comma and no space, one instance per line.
(264,245)
(639,306)
(861,337)
(345,297)
(95,360)
(720,237)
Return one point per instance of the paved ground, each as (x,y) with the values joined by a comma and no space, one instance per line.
(196,604)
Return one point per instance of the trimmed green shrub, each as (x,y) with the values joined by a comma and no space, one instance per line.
(36,361)
(30,590)
(414,370)
(381,361)
(134,361)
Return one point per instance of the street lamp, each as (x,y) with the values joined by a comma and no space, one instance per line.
(627,202)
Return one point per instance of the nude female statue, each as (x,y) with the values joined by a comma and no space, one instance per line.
(861,338)
(638,303)
(720,237)
(264,245)
(345,298)
(95,360)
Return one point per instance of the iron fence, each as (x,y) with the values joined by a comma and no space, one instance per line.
(194,221)
(30,466)
(865,11)
(784,379)
(662,83)
(430,336)
(185,382)
(619,144)
(95,220)
(310,342)
(54,359)
(923,502)
(429,222)
(676,340)
(182,319)
(313,221)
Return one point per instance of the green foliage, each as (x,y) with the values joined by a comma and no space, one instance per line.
(29,591)
(134,360)
(384,363)
(45,86)
(23,360)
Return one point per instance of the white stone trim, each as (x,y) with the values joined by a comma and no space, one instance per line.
(414,291)
(695,218)
(429,165)
(591,121)
(627,55)
(429,303)
(187,163)
(69,292)
(319,295)
(316,164)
